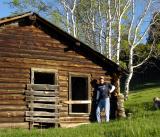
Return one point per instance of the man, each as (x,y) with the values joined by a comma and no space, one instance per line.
(103,92)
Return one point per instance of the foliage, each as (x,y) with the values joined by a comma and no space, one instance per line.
(144,122)
(42,7)
(102,25)
(154,32)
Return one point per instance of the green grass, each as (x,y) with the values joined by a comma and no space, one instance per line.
(144,122)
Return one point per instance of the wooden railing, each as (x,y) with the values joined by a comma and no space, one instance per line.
(43,103)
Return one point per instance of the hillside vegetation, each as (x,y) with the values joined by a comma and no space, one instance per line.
(144,121)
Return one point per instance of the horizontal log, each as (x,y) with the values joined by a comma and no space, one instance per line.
(13,70)
(12,113)
(14,80)
(42,93)
(14,125)
(74,115)
(32,56)
(42,120)
(42,87)
(82,118)
(14,75)
(44,106)
(12,119)
(12,108)
(63,61)
(41,51)
(12,102)
(71,125)
(21,61)
(77,102)
(12,86)
(42,99)
(58,66)
(12,97)
(41,114)
(63,94)
(11,91)
(74,121)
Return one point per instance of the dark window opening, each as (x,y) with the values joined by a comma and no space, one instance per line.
(44,78)
(79,89)
(80,108)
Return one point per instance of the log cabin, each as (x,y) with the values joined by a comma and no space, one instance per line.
(47,77)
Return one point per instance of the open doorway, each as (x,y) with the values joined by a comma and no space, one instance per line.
(79,91)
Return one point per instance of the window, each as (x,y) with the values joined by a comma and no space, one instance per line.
(43,76)
(79,93)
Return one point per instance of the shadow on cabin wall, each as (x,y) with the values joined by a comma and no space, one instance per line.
(94,105)
(113,103)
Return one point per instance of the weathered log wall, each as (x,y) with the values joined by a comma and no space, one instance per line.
(25,47)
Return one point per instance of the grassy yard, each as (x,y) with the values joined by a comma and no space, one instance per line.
(144,122)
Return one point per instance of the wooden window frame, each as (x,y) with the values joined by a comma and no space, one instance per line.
(70,101)
(43,70)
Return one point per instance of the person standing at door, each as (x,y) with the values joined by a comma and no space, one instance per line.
(103,99)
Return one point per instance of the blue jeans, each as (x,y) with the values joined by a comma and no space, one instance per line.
(103,104)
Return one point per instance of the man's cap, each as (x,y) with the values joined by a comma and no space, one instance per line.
(101,77)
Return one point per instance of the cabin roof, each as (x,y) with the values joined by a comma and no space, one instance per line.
(34,19)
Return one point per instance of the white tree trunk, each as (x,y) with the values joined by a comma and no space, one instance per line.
(68,26)
(109,31)
(68,8)
(133,33)
(67,15)
(73,19)
(101,28)
(120,13)
(74,26)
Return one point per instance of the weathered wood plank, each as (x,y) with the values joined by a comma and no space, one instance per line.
(12,86)
(12,114)
(13,102)
(77,102)
(12,108)
(41,87)
(12,119)
(41,114)
(11,91)
(13,80)
(14,125)
(12,97)
(14,70)
(42,99)
(42,120)
(13,18)
(75,118)
(44,106)
(42,93)
(51,63)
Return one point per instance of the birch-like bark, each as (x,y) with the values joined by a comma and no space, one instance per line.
(70,10)
(109,31)
(67,15)
(73,19)
(134,42)
(92,23)
(119,17)
(101,28)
